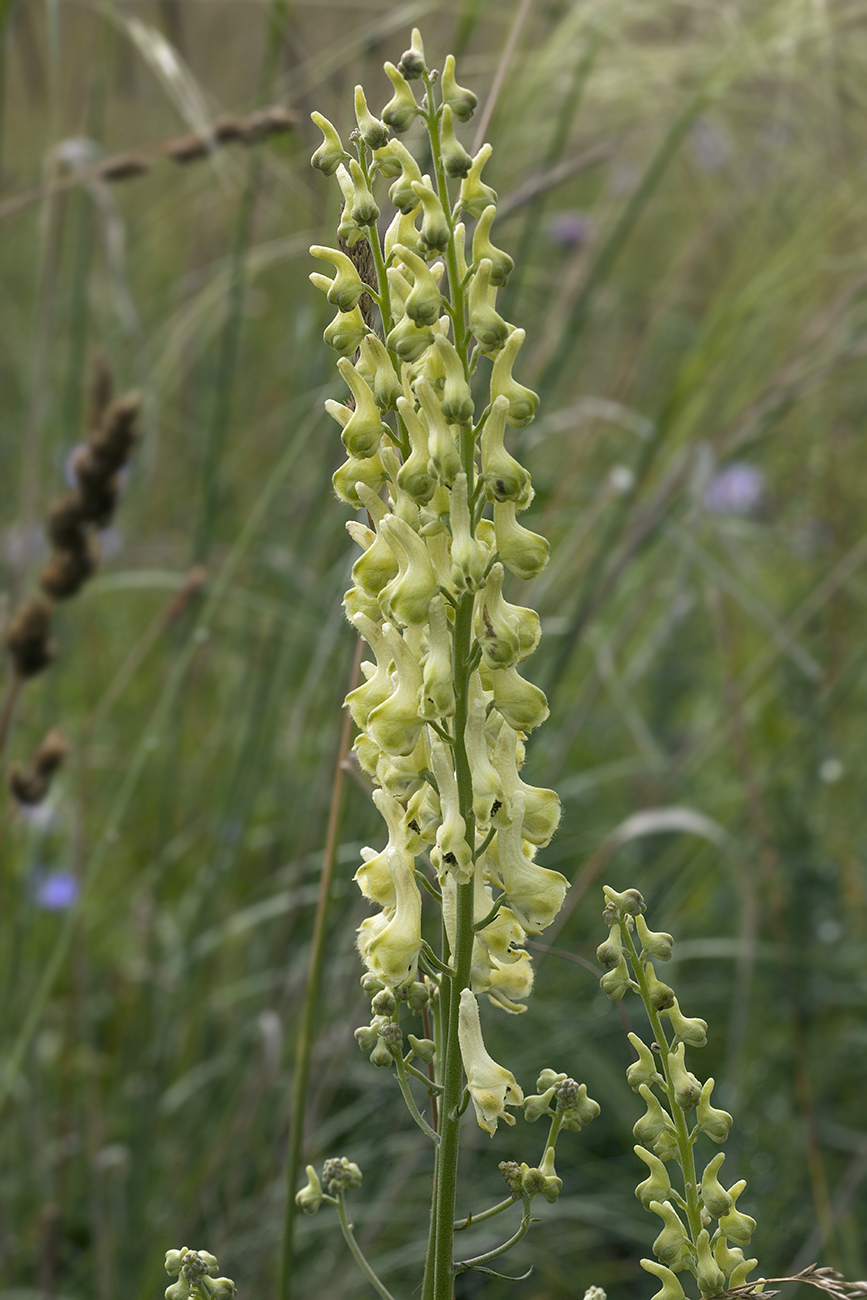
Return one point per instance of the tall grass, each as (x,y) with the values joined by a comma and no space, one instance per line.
(696,298)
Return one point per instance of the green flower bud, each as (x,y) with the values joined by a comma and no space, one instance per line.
(692,1031)
(523,552)
(381,1056)
(348,229)
(364,429)
(715,1123)
(401,193)
(716,1199)
(523,402)
(660,995)
(375,364)
(505,478)
(645,1069)
(403,231)
(419,995)
(550,1184)
(221,1288)
(486,324)
(665,1146)
(309,1198)
(424,1049)
(408,340)
(579,1110)
(386,161)
(456,160)
(456,400)
(462,102)
(521,703)
(178,1290)
(595,1293)
(393,1038)
(610,953)
(524,622)
(174,1259)
(672,1245)
(394,725)
(384,1003)
(340,1175)
(425,302)
(367,1036)
(347,287)
(331,152)
(469,557)
(502,264)
(377,566)
(538,1104)
(629,903)
(345,332)
(364,211)
(414,477)
(653,944)
(687,1088)
(671,1288)
(406,598)
(475,196)
(729,1257)
(373,132)
(656,1187)
(497,634)
(617,982)
(401,108)
(370,472)
(435,231)
(412,64)
(437,698)
(710,1277)
(654,1122)
(445,460)
(740,1274)
(738,1227)
(378,687)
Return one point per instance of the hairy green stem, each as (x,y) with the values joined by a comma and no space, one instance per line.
(406,1092)
(499,1250)
(349,1237)
(461,1224)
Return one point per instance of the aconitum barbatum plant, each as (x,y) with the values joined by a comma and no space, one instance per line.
(445,708)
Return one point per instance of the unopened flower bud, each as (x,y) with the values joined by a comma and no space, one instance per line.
(580,1110)
(715,1123)
(654,1122)
(511,1171)
(376,366)
(537,1105)
(468,555)
(409,340)
(380,1055)
(660,995)
(645,1069)
(687,1088)
(657,1186)
(364,209)
(628,903)
(425,302)
(655,944)
(456,160)
(414,476)
(672,1245)
(728,1257)
(689,1030)
(424,1049)
(331,152)
(435,231)
(610,953)
(392,1037)
(309,1198)
(716,1199)
(456,400)
(475,196)
(174,1259)
(369,471)
(671,1288)
(418,996)
(373,132)
(340,1175)
(504,477)
(741,1272)
(502,264)
(407,597)
(521,703)
(738,1227)
(461,102)
(709,1275)
(486,324)
(617,982)
(551,1184)
(437,697)
(222,1288)
(384,1003)
(179,1290)
(412,64)
(364,429)
(347,287)
(523,552)
(523,402)
(367,1036)
(445,460)
(401,108)
(345,332)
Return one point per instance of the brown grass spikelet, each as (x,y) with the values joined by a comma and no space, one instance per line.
(125,167)
(28,638)
(69,569)
(31,785)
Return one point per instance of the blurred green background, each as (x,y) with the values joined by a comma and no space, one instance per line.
(683,188)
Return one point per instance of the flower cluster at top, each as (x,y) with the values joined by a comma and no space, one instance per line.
(444,710)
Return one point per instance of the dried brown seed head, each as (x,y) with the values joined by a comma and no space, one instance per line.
(28,638)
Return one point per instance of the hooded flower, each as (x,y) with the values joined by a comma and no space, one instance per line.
(492,1087)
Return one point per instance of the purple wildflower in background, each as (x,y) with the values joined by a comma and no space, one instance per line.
(738,489)
(569,229)
(56,891)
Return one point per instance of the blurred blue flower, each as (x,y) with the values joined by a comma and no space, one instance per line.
(56,891)
(738,489)
(569,229)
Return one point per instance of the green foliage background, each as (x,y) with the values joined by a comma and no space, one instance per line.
(706,670)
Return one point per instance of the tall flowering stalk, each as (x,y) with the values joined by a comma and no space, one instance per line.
(444,710)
